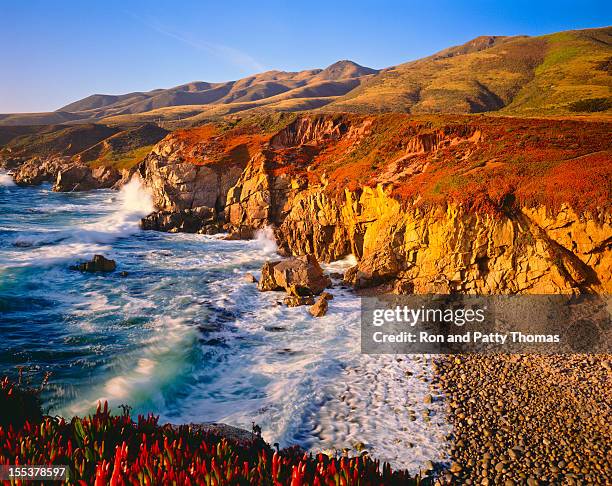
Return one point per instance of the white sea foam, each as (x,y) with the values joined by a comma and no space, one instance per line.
(141,375)
(134,202)
(308,382)
(265,241)
(6,180)
(340,265)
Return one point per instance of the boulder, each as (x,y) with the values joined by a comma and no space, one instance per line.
(98,264)
(236,434)
(375,269)
(301,276)
(319,309)
(267,281)
(35,171)
(243,233)
(75,178)
(198,220)
(295,301)
(250,278)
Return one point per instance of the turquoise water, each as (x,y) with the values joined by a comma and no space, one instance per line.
(184,335)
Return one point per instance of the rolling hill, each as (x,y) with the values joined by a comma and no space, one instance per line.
(566,73)
(528,76)
(254,91)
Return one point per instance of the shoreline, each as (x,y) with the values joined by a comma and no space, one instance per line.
(528,419)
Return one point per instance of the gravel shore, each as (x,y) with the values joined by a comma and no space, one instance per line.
(527,419)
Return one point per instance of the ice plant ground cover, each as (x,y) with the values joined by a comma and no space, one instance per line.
(112,449)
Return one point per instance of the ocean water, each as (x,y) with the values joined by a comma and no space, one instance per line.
(185,336)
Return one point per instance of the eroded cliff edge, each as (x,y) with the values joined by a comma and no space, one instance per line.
(437,204)
(425,203)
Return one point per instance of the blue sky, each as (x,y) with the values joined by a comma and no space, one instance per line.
(55,52)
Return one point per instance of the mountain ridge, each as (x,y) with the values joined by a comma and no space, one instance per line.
(563,73)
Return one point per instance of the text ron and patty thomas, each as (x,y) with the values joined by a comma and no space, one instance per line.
(455,326)
(459,317)
(467,337)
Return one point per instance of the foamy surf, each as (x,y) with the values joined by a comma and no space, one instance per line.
(132,203)
(266,241)
(185,336)
(6,180)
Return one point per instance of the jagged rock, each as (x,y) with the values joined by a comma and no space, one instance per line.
(301,276)
(80,177)
(250,278)
(327,296)
(241,436)
(319,309)
(295,301)
(197,220)
(243,233)
(36,171)
(98,264)
(403,287)
(267,281)
(177,183)
(298,276)
(375,269)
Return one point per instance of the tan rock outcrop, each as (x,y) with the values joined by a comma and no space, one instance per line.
(439,247)
(37,170)
(81,177)
(299,276)
(319,309)
(177,184)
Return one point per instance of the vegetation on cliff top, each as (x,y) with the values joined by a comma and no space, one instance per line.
(112,449)
(480,162)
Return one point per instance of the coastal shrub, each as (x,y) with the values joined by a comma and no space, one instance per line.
(112,449)
(591,105)
(18,404)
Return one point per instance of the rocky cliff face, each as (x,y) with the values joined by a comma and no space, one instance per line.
(35,171)
(191,173)
(76,158)
(177,185)
(442,249)
(424,206)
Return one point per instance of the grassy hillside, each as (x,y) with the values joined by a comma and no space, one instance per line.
(261,90)
(124,149)
(575,76)
(93,143)
(536,76)
(563,74)
(53,140)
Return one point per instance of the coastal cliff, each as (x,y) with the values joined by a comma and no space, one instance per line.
(476,205)
(79,157)
(430,203)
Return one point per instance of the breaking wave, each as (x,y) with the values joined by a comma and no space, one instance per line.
(132,202)
(265,240)
(6,180)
